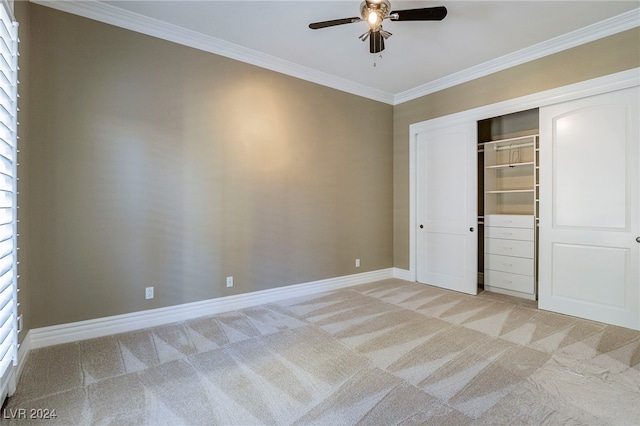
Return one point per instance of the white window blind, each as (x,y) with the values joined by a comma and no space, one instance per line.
(8,198)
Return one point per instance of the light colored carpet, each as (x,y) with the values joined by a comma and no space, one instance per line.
(384,353)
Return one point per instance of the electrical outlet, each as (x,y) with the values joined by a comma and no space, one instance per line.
(148,293)
(229,281)
(357,263)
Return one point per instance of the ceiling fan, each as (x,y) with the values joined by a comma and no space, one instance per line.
(375,11)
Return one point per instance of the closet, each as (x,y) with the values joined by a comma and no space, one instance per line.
(508,203)
(541,204)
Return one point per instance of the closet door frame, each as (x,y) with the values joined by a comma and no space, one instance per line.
(608,83)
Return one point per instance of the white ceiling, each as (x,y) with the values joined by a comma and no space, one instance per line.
(418,54)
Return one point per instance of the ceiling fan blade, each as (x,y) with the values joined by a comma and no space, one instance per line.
(333,23)
(424,14)
(376,42)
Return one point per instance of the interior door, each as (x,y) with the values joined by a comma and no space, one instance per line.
(590,208)
(446,203)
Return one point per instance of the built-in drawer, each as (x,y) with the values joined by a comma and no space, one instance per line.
(510,220)
(508,233)
(509,247)
(507,281)
(511,264)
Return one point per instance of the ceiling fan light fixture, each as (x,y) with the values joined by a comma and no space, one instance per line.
(373,19)
(374,12)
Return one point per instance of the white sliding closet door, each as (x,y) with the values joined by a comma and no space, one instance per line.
(446,208)
(590,208)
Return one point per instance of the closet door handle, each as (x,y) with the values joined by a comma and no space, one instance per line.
(421,226)
(637,239)
(471,229)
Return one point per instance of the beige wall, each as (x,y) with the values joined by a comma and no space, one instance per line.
(153,164)
(605,56)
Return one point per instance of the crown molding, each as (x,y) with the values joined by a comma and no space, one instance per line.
(112,15)
(116,16)
(613,25)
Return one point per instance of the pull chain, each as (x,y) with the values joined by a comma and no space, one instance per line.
(374,59)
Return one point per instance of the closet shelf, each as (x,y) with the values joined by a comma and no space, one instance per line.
(522,140)
(508,191)
(503,166)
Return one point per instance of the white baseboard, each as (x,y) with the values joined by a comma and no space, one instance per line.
(82,330)
(403,274)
